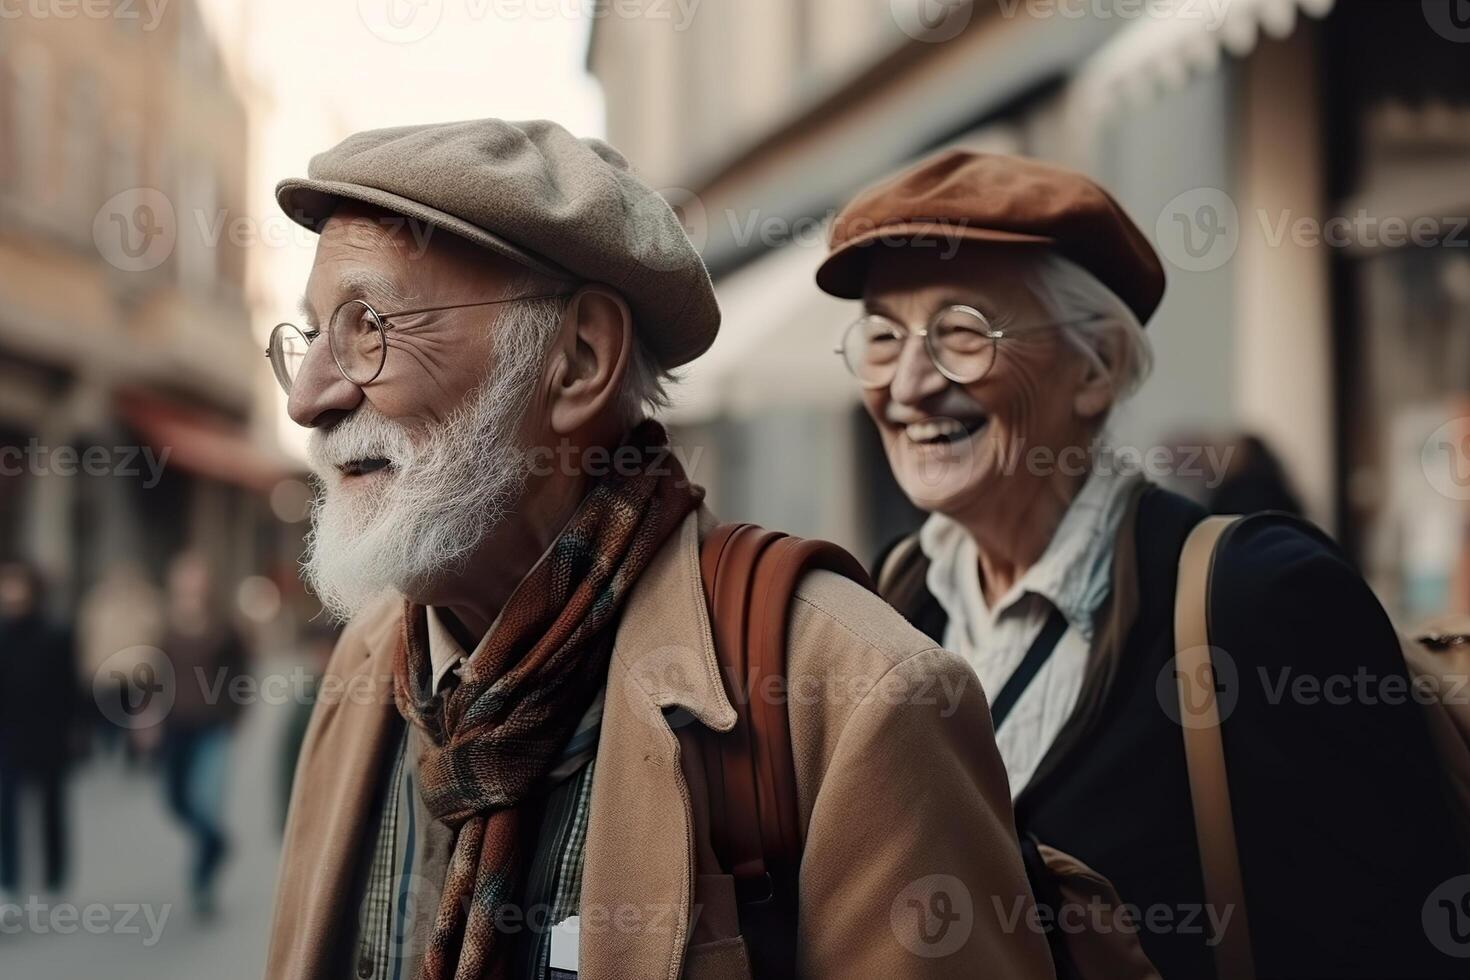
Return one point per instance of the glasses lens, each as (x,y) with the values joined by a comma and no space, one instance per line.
(357,342)
(963,343)
(288,351)
(872,347)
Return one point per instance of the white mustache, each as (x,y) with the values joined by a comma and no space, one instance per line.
(365,434)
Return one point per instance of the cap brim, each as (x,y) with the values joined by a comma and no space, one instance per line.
(845,271)
(310,203)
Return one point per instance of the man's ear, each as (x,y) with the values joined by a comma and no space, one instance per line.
(595,341)
(1100,369)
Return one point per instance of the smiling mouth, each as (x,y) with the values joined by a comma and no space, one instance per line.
(943,431)
(362,467)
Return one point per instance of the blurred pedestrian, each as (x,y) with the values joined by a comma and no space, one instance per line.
(1256,482)
(206,654)
(1003,309)
(38,707)
(119,626)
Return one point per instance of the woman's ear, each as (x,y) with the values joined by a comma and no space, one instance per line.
(1101,366)
(595,342)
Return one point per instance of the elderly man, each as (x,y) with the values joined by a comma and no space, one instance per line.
(1003,303)
(503,776)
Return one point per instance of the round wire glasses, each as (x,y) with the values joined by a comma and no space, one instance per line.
(961,341)
(357,335)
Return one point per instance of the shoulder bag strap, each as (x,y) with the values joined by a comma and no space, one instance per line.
(1204,751)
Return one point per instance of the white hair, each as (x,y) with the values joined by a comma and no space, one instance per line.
(1097,322)
(537,321)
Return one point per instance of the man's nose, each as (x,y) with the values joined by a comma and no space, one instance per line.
(916,376)
(321,395)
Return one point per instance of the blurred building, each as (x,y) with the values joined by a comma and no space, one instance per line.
(1272,148)
(128,374)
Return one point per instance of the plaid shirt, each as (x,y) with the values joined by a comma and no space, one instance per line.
(406,877)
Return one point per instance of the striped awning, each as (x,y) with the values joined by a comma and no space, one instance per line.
(1175,41)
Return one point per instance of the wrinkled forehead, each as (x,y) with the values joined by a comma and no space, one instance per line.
(918,280)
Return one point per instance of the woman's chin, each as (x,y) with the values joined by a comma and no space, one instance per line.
(943,484)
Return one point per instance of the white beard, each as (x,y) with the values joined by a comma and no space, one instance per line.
(420,520)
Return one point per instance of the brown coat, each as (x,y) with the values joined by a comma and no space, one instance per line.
(904,798)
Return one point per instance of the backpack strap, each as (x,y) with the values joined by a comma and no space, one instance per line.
(750,575)
(1204,751)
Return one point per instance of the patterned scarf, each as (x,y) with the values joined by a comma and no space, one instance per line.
(498,732)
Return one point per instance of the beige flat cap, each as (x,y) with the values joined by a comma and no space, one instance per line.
(534,193)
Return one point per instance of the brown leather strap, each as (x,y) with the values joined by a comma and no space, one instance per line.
(1204,751)
(750,576)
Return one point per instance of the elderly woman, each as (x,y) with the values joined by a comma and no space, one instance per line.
(1002,321)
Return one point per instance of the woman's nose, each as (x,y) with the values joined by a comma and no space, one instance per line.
(916,376)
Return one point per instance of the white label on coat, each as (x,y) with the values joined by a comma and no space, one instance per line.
(565,937)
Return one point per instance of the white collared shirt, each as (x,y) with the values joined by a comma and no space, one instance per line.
(1073,575)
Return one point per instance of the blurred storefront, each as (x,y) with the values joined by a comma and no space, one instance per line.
(1209,119)
(128,374)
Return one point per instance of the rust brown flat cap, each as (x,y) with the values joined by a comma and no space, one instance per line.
(562,206)
(989,197)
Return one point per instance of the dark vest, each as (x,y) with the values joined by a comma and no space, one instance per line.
(1342,820)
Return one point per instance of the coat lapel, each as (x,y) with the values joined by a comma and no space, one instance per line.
(351,733)
(638,878)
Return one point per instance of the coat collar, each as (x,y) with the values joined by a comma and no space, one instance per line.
(665,642)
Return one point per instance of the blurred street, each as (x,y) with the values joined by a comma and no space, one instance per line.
(128,852)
